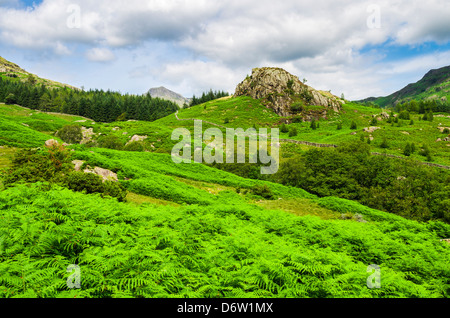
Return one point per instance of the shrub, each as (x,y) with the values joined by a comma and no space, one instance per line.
(313,124)
(353,125)
(297,119)
(263,191)
(404,115)
(10,99)
(446,131)
(92,183)
(134,146)
(71,134)
(110,142)
(339,126)
(384,144)
(284,128)
(293,132)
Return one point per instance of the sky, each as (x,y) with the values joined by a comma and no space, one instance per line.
(353,47)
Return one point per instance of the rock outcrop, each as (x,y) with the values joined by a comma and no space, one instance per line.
(286,94)
(105,174)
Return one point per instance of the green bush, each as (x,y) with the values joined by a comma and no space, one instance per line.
(446,131)
(134,146)
(284,128)
(10,99)
(263,191)
(71,134)
(92,183)
(353,125)
(110,142)
(293,132)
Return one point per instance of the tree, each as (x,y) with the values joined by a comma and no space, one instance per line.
(407,151)
(10,99)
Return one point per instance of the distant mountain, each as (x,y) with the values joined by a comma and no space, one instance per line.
(167,94)
(11,70)
(434,85)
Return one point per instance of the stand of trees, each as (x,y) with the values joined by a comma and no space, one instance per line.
(424,106)
(99,105)
(206,97)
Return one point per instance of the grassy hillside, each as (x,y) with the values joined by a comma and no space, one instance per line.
(214,245)
(12,71)
(434,85)
(191,230)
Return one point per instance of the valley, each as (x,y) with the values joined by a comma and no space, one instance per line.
(197,230)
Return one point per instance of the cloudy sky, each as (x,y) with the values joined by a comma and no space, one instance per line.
(359,48)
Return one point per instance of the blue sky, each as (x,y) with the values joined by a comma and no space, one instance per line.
(359,48)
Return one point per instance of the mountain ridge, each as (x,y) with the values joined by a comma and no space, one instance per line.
(12,70)
(433,85)
(164,93)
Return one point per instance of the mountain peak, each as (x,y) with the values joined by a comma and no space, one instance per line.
(167,94)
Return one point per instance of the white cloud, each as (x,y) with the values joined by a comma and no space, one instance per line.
(215,43)
(100,55)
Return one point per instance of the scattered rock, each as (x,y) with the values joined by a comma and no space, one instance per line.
(88,133)
(77,164)
(371,129)
(438,140)
(116,128)
(353,133)
(25,125)
(405,133)
(51,142)
(80,121)
(107,175)
(137,138)
(443,128)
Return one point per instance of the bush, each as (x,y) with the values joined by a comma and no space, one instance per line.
(10,99)
(313,125)
(339,126)
(92,183)
(263,191)
(446,131)
(353,125)
(384,144)
(110,142)
(293,132)
(284,128)
(71,134)
(134,146)
(404,115)
(297,119)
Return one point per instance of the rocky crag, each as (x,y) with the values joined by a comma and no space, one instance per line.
(287,95)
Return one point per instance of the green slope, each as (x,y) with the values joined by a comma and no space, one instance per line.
(13,71)
(214,245)
(435,85)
